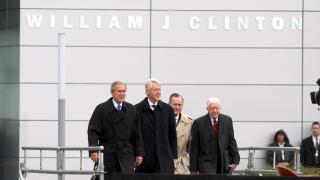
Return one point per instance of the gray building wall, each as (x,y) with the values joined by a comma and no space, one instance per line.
(9,89)
(262,76)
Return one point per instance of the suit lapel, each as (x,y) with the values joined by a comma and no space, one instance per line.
(312,145)
(221,126)
(209,125)
(181,128)
(119,116)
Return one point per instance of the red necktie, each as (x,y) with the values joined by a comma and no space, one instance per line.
(215,126)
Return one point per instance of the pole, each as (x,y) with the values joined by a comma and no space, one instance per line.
(61,101)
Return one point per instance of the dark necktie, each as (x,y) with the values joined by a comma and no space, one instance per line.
(317,149)
(119,107)
(154,107)
(215,126)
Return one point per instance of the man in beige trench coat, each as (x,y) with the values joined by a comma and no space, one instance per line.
(183,127)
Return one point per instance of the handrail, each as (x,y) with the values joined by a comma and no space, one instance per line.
(251,157)
(60,158)
(90,148)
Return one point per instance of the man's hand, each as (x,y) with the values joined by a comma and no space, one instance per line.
(233,166)
(139,160)
(94,157)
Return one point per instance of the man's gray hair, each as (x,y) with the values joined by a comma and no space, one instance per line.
(151,81)
(114,84)
(213,100)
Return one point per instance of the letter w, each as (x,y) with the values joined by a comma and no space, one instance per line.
(34,21)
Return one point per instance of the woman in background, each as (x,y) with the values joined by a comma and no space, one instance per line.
(283,158)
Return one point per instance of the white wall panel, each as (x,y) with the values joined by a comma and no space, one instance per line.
(85,65)
(84,4)
(38,133)
(180,32)
(227,66)
(39,101)
(311,64)
(39,64)
(311,29)
(243,103)
(76,135)
(227,4)
(102,65)
(310,111)
(38,28)
(263,133)
(312,5)
(82,99)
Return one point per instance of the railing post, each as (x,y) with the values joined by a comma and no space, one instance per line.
(250,161)
(61,98)
(298,171)
(101,165)
(274,160)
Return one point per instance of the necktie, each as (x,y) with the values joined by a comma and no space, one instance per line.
(154,107)
(215,126)
(119,107)
(317,151)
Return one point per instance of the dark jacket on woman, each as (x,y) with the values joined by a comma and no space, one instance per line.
(288,155)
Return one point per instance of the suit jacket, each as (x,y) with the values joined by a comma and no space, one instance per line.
(159,137)
(307,153)
(205,145)
(181,164)
(120,134)
(288,155)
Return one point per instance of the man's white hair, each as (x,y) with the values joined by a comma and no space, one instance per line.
(213,100)
(151,81)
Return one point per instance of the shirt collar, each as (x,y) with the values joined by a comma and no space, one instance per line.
(314,137)
(115,104)
(217,119)
(150,103)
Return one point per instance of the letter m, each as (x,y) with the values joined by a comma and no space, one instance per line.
(134,22)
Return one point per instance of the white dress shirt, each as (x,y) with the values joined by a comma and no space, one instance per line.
(115,104)
(282,151)
(314,143)
(150,104)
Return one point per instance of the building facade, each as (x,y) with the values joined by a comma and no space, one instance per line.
(261,58)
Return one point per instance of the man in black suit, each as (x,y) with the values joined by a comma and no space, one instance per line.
(115,125)
(158,131)
(213,147)
(310,147)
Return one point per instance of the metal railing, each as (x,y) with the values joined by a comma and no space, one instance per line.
(60,158)
(251,167)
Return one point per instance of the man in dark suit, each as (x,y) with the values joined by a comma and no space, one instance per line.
(158,131)
(213,147)
(310,147)
(115,125)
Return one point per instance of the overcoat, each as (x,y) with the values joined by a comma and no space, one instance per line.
(159,136)
(206,146)
(120,134)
